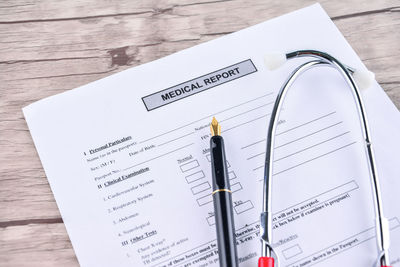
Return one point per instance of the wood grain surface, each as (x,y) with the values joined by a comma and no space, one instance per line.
(47,47)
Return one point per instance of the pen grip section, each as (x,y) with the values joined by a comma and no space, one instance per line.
(224,222)
(218,164)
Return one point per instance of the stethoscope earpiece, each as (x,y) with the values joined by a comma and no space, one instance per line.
(274,60)
(364,78)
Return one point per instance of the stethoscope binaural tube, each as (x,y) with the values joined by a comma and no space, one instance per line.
(322,59)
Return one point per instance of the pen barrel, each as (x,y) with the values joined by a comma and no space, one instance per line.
(223,207)
(224,223)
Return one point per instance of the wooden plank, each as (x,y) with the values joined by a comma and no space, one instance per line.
(111,53)
(376,39)
(393,91)
(24,187)
(50,40)
(31,10)
(44,245)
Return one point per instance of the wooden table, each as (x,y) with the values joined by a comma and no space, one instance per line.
(47,47)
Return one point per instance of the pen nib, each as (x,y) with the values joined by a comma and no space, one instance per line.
(215,127)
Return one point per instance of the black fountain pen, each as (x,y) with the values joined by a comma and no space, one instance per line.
(222,197)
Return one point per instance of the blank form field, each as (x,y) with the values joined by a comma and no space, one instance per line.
(194,177)
(236,187)
(245,206)
(200,188)
(231,175)
(190,165)
(211,220)
(292,251)
(204,200)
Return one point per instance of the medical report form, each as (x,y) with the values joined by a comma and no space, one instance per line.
(127,157)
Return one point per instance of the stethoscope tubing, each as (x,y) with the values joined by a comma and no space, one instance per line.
(322,59)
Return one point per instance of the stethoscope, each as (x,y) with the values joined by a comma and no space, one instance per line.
(268,255)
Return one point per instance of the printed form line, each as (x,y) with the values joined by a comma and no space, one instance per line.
(176,139)
(301,150)
(247,111)
(307,161)
(307,148)
(301,125)
(330,126)
(237,115)
(329,199)
(298,126)
(353,236)
(263,116)
(241,104)
(162,155)
(314,197)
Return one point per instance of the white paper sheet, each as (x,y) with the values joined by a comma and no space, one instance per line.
(133,186)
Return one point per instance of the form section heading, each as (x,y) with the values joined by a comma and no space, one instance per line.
(198,84)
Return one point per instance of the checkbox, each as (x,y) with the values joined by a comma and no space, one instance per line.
(236,187)
(211,220)
(245,206)
(204,200)
(189,166)
(292,251)
(200,188)
(194,177)
(231,175)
